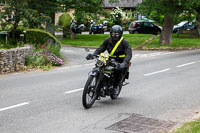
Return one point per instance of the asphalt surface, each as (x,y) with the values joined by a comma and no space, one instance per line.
(86,32)
(163,86)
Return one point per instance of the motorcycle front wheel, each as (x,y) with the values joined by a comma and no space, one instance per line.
(89,93)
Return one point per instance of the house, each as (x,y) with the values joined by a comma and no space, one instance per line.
(126,4)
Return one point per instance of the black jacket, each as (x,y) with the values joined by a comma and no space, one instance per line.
(123,48)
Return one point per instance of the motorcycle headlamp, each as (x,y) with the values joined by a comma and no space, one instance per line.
(99,63)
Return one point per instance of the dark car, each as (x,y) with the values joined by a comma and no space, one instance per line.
(183,25)
(144,27)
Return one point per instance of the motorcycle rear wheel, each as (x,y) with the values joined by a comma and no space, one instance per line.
(89,93)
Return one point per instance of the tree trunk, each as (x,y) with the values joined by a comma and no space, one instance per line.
(167,30)
(72,34)
(15,25)
(198,19)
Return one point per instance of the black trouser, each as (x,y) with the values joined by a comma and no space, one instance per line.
(118,76)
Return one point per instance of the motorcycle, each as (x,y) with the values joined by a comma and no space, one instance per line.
(77,29)
(98,29)
(100,81)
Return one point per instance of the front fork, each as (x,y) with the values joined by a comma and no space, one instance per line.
(98,73)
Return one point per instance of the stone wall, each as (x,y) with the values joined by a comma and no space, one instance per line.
(13,59)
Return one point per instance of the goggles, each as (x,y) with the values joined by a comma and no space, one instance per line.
(115,34)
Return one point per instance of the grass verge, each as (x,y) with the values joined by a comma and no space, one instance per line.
(189,127)
(177,43)
(97,39)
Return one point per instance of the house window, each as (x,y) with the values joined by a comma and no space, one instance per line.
(10,17)
(2,2)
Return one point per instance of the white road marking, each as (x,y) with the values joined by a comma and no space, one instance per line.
(72,91)
(186,64)
(14,106)
(157,72)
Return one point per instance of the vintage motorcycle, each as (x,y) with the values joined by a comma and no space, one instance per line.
(101,80)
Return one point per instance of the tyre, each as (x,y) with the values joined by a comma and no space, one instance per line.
(115,96)
(89,92)
(158,33)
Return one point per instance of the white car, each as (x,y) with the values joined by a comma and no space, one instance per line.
(183,25)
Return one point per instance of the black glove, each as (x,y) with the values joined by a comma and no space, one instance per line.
(90,56)
(120,66)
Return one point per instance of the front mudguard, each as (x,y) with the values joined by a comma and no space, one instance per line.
(92,74)
(95,72)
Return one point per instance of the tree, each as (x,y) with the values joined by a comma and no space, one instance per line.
(37,12)
(171,10)
(13,12)
(83,7)
(46,9)
(196,7)
(50,7)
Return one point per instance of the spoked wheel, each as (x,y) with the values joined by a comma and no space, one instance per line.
(116,93)
(89,92)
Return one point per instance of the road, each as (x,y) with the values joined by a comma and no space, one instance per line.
(87,32)
(163,91)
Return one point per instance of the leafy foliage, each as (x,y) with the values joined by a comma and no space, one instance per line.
(171,10)
(82,7)
(38,37)
(64,21)
(10,44)
(12,13)
(116,16)
(43,58)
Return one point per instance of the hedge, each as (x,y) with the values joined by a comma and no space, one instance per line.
(38,37)
(65,21)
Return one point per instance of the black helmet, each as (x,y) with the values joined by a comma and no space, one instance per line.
(113,33)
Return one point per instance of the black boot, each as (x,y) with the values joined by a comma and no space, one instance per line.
(116,89)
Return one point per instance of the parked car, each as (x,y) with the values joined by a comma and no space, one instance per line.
(144,27)
(183,25)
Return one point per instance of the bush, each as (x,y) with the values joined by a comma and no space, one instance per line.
(65,21)
(6,27)
(10,44)
(39,37)
(116,16)
(44,57)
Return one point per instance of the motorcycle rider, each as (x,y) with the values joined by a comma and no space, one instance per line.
(119,49)
(92,25)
